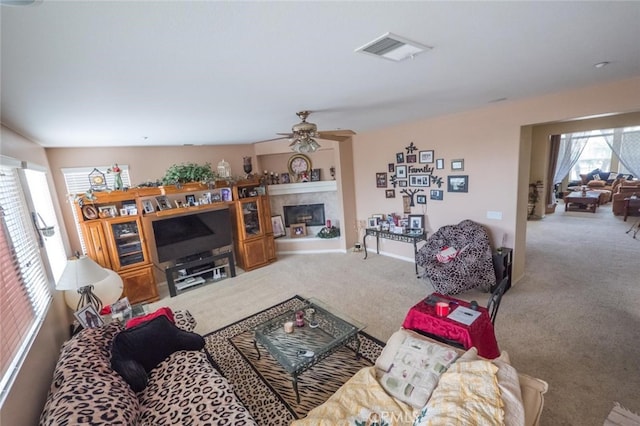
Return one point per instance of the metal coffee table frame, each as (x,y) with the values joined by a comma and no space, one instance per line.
(334,331)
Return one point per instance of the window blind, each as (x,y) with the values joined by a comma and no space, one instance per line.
(23,281)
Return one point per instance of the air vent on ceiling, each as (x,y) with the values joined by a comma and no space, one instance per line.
(393,47)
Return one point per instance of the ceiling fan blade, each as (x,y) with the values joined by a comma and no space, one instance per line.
(289,135)
(336,135)
(269,140)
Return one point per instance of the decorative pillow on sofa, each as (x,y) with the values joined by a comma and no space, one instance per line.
(416,369)
(167,312)
(137,350)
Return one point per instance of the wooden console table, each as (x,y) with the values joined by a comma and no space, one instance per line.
(404,238)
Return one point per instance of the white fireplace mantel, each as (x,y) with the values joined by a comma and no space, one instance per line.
(302,187)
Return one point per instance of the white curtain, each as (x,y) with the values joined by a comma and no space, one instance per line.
(571,147)
(628,151)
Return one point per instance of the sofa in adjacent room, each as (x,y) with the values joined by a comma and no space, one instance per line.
(625,190)
(183,388)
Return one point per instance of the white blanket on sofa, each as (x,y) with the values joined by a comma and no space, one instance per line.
(361,400)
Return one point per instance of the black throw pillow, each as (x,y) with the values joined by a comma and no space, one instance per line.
(138,350)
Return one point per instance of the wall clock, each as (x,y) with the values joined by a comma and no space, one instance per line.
(299,163)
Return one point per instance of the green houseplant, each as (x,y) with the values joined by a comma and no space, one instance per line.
(189,172)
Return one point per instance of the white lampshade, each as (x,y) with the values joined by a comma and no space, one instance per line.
(80,272)
(108,290)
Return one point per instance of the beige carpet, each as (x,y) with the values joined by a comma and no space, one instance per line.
(573,320)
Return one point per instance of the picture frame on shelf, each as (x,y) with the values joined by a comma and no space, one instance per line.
(89,212)
(421,199)
(416,221)
(108,211)
(381,180)
(400,157)
(436,194)
(163,202)
(190,199)
(401,172)
(378,217)
(457,165)
(426,156)
(458,183)
(372,223)
(315,175)
(440,163)
(124,212)
(298,230)
(390,193)
(225,194)
(147,206)
(420,180)
(278,226)
(88,317)
(285,178)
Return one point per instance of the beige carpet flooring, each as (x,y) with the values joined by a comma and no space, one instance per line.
(572,320)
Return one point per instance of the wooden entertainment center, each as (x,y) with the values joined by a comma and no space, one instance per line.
(117,227)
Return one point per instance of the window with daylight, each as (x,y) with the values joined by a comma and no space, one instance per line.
(77,182)
(24,282)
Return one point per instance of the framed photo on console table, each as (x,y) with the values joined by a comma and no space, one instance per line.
(416,221)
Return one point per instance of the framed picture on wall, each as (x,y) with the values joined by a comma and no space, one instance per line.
(381,180)
(421,199)
(390,193)
(426,156)
(457,164)
(436,194)
(458,183)
(401,172)
(400,157)
(440,163)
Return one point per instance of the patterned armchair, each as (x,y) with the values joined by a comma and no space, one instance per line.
(472,267)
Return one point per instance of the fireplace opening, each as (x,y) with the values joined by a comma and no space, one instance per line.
(309,214)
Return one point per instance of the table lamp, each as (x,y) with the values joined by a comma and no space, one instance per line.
(85,282)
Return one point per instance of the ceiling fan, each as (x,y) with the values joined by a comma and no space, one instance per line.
(302,134)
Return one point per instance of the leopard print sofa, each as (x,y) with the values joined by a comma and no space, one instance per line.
(185,389)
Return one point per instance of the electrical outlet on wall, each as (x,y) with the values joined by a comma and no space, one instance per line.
(494,215)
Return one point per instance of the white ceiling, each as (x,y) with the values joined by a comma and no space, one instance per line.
(80,73)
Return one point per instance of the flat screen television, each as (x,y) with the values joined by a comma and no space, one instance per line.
(182,236)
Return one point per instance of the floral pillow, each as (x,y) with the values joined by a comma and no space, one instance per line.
(416,369)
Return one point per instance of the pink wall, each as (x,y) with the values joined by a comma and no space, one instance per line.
(496,148)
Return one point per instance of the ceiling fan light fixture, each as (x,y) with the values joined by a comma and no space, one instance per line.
(303,133)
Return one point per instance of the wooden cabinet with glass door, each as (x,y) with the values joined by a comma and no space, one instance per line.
(112,233)
(253,234)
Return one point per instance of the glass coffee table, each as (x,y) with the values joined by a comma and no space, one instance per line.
(323,332)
